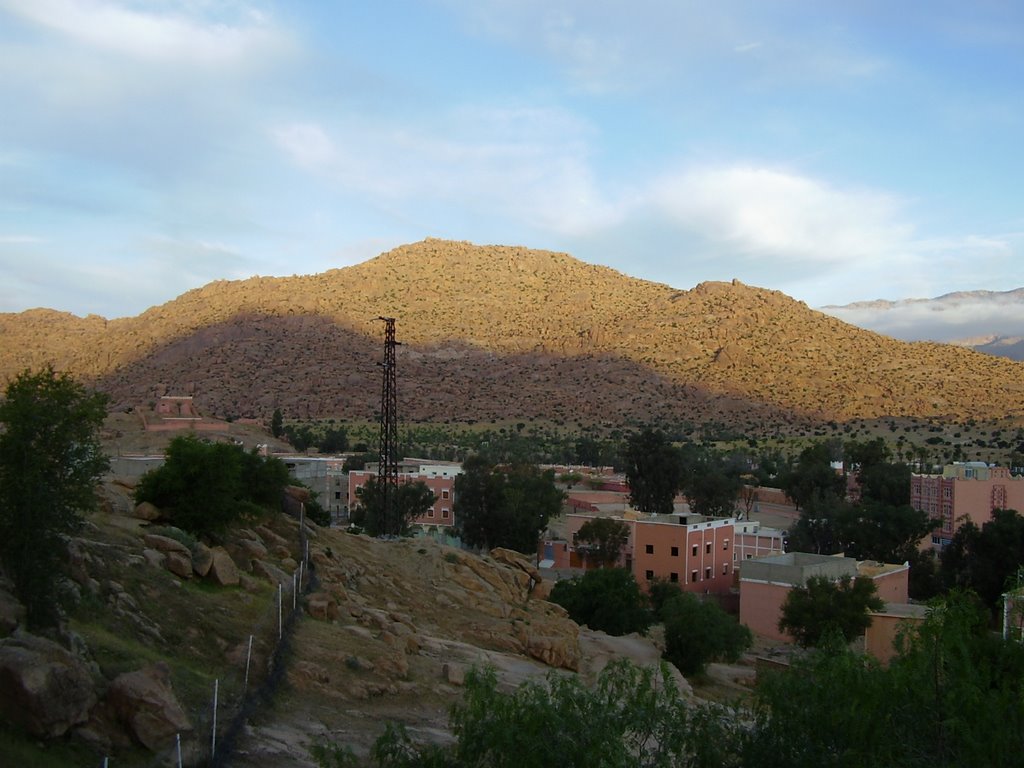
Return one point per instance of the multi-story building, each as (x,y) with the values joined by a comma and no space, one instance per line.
(439,477)
(965,491)
(700,554)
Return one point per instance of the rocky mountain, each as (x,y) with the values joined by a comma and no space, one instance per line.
(501,332)
(987,321)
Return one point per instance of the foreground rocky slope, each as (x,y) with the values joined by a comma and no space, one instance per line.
(494,332)
(382,631)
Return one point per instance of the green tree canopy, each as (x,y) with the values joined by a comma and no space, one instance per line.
(203,487)
(601,540)
(813,477)
(985,559)
(653,472)
(698,632)
(50,462)
(409,502)
(810,612)
(606,599)
(504,506)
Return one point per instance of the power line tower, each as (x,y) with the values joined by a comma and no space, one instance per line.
(387,468)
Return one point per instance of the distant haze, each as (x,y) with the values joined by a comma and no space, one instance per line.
(974,318)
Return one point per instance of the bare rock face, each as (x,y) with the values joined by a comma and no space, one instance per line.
(144,703)
(44,689)
(223,569)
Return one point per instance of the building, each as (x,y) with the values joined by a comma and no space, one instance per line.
(765,583)
(326,478)
(700,554)
(439,477)
(965,490)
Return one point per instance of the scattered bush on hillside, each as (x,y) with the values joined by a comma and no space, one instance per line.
(204,487)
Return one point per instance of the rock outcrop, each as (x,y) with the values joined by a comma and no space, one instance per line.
(44,689)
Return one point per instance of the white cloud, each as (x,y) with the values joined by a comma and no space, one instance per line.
(149,36)
(525,165)
(757,211)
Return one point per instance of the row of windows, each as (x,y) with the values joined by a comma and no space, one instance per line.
(694,574)
(674,551)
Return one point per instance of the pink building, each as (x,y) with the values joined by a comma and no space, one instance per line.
(970,490)
(765,583)
(438,477)
(697,553)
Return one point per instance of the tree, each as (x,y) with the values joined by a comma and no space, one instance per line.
(874,530)
(985,559)
(204,487)
(811,611)
(631,718)
(334,441)
(813,477)
(712,492)
(277,423)
(50,462)
(607,599)
(410,500)
(653,472)
(952,696)
(504,507)
(698,632)
(601,540)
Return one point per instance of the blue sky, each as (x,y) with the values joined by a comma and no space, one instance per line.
(834,151)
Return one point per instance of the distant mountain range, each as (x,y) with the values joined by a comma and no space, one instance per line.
(987,321)
(493,333)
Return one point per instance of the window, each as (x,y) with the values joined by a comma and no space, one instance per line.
(445,513)
(707,572)
(707,548)
(649,575)
(725,544)
(749,556)
(673,577)
(725,569)
(430,513)
(693,577)
(675,551)
(337,495)
(694,550)
(649,549)
(444,493)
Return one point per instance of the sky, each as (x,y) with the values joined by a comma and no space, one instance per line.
(838,152)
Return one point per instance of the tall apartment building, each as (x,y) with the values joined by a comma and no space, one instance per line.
(965,490)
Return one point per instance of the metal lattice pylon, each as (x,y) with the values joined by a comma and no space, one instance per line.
(387,469)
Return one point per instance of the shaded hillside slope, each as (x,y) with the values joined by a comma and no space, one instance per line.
(506,332)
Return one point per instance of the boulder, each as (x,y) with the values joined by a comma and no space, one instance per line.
(271,573)
(144,510)
(202,559)
(223,569)
(322,605)
(178,564)
(454,674)
(44,689)
(154,557)
(164,544)
(144,702)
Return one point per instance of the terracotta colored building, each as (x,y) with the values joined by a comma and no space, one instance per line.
(765,583)
(969,490)
(438,477)
(699,554)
